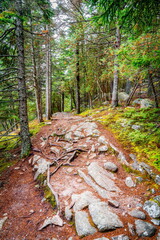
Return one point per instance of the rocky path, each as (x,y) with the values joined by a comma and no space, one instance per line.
(82,165)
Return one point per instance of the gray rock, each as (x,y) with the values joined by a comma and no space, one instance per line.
(129,182)
(90,128)
(41,166)
(105,103)
(35,159)
(68,213)
(56,220)
(83,200)
(83,226)
(103,217)
(136,127)
(137,214)
(157,198)
(123,96)
(139,179)
(131,229)
(146,103)
(133,156)
(122,158)
(102,238)
(152,208)
(110,166)
(157,179)
(103,148)
(156,222)
(102,192)
(144,229)
(113,203)
(55,150)
(158,236)
(120,237)
(79,134)
(102,177)
(68,136)
(2,221)
(102,140)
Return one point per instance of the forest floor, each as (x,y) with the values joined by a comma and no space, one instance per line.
(22,199)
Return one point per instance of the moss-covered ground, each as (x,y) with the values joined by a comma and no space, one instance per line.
(138,130)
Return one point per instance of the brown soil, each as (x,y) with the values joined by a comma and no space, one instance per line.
(23,201)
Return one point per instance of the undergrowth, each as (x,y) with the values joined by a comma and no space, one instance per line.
(137,129)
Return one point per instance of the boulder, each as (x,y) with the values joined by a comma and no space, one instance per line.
(83,200)
(102,177)
(41,166)
(144,229)
(83,226)
(152,208)
(123,96)
(147,103)
(103,217)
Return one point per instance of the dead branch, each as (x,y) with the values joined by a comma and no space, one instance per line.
(54,193)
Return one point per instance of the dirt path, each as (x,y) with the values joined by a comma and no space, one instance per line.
(77,142)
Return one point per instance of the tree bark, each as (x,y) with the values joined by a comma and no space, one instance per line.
(24,129)
(48,79)
(153,89)
(114,102)
(36,81)
(77,79)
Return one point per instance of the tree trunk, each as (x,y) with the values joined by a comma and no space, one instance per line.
(153,89)
(116,71)
(48,79)
(36,81)
(62,101)
(24,129)
(77,79)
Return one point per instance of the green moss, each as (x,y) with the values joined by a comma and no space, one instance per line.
(49,196)
(6,160)
(47,192)
(130,170)
(144,142)
(34,127)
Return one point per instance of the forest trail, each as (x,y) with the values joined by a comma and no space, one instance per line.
(95,199)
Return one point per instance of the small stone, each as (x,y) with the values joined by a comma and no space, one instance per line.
(56,220)
(129,182)
(103,149)
(139,179)
(136,127)
(70,238)
(5,214)
(110,166)
(93,148)
(122,158)
(68,213)
(17,168)
(83,226)
(2,221)
(157,179)
(113,203)
(156,222)
(158,236)
(87,163)
(144,229)
(102,140)
(131,229)
(69,170)
(31,211)
(152,208)
(79,180)
(120,237)
(137,214)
